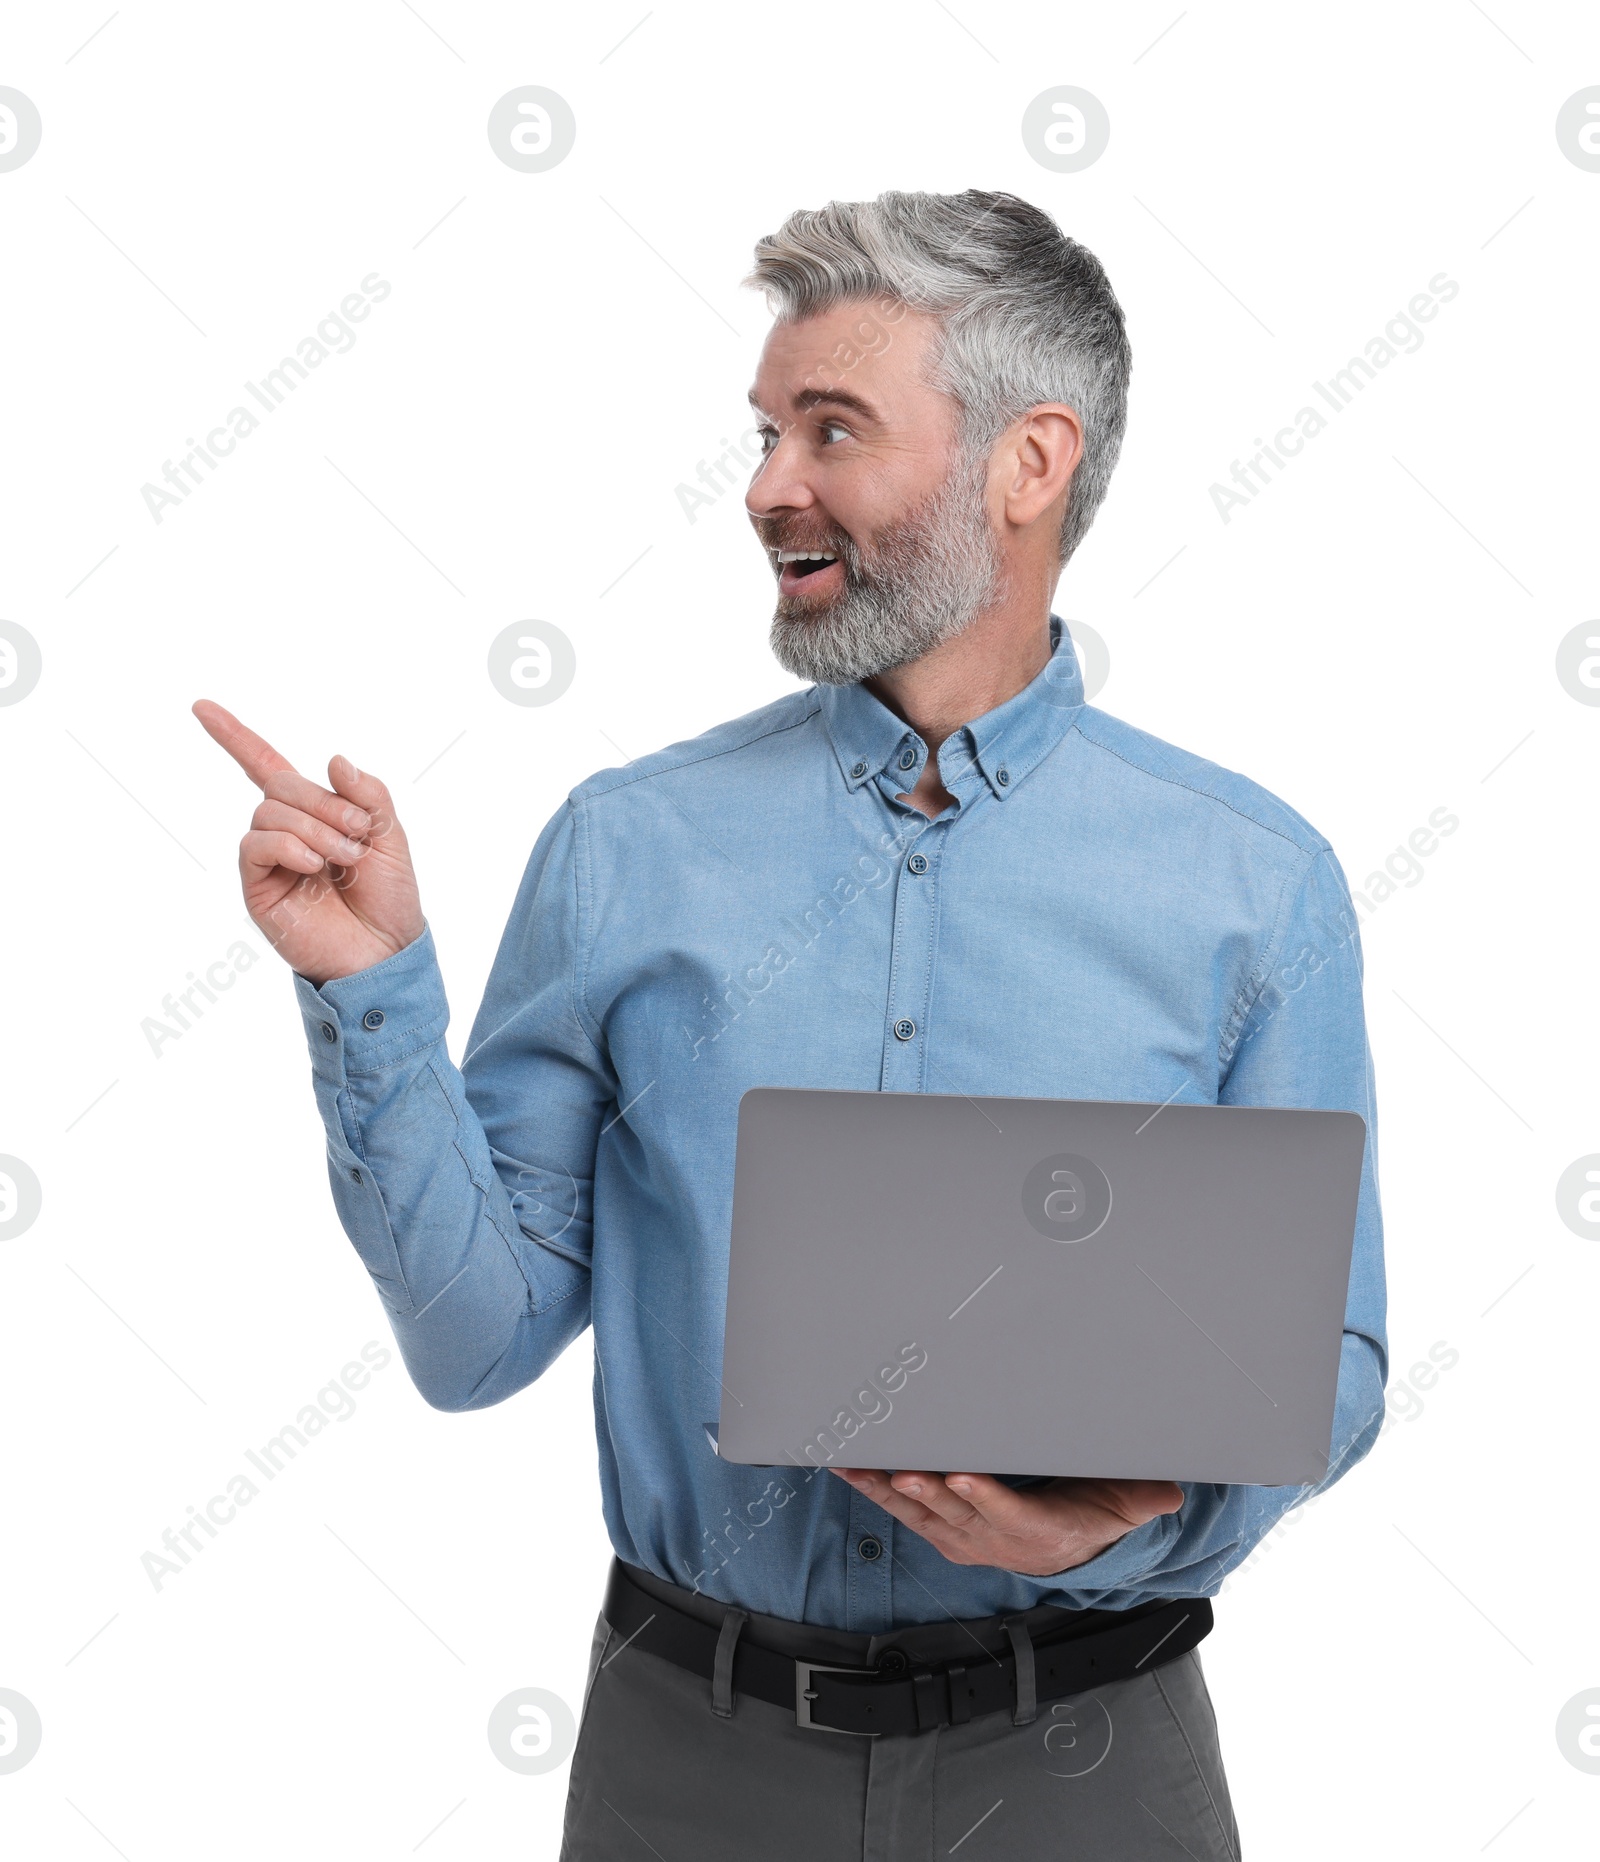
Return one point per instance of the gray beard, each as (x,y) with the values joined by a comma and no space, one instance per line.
(924,580)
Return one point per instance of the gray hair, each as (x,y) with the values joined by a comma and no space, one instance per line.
(1027,314)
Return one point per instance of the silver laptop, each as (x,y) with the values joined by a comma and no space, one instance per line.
(1037,1286)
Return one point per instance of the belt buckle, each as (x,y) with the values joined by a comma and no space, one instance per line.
(804,1694)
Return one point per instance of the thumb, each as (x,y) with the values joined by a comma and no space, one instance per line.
(1144,1500)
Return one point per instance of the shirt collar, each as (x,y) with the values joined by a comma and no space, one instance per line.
(1003,746)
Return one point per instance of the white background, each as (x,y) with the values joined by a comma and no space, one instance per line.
(1373,638)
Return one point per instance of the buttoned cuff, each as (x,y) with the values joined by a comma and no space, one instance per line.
(375,1017)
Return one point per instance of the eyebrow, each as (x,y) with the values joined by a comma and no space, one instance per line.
(810,398)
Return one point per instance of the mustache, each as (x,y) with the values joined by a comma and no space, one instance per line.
(777,533)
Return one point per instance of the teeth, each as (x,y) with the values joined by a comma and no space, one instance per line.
(806,556)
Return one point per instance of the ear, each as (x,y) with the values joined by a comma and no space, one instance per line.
(1038,457)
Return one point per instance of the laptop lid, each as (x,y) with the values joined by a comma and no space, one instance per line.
(1037,1286)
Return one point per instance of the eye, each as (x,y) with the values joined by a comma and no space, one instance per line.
(768,437)
(832,427)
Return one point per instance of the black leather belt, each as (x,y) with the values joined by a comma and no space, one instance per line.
(898,1696)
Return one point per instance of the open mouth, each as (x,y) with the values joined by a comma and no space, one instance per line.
(807,571)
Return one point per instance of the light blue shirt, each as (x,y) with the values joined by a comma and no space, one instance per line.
(1098,915)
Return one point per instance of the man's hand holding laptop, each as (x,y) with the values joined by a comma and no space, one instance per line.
(974,1519)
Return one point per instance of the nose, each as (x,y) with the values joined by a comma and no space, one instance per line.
(779,483)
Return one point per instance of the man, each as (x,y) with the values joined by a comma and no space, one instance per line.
(934,869)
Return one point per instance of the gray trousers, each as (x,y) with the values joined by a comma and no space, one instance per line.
(1129,1773)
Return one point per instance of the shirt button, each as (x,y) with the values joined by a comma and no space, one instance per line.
(904,1029)
(859,769)
(908,756)
(918,863)
(329,1032)
(870,1549)
(372,1019)
(1002,775)
(355,1176)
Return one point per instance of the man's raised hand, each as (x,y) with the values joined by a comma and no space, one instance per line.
(327,873)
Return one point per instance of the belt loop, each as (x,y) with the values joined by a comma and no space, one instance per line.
(722,1667)
(1027,1709)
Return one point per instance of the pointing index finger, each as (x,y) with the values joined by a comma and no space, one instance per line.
(254,755)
